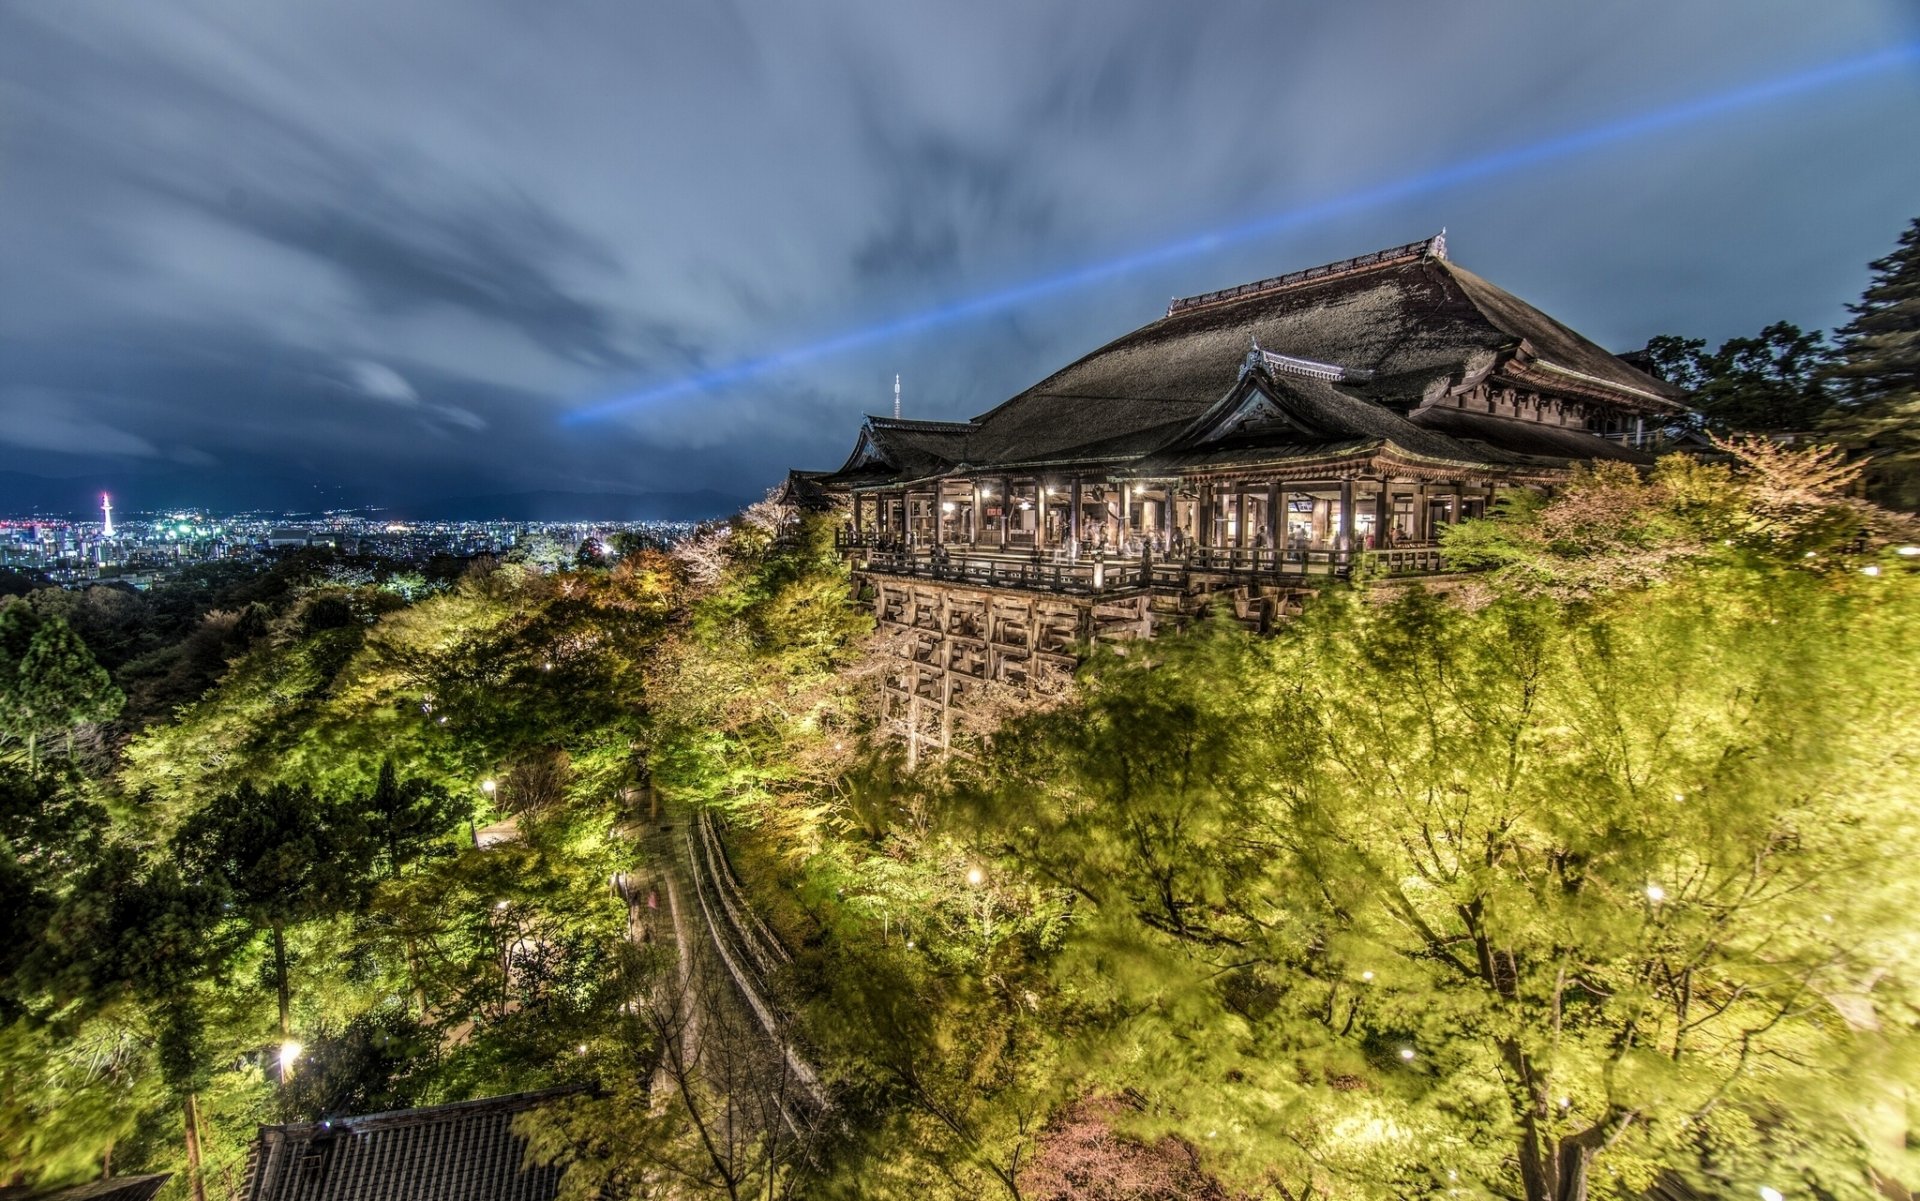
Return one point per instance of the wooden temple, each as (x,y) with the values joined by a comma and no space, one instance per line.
(1246,448)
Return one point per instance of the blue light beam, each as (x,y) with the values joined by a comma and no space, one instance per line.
(1562,146)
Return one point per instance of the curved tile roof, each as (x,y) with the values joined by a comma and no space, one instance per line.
(1400,322)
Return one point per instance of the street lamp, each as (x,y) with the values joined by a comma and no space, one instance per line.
(977,876)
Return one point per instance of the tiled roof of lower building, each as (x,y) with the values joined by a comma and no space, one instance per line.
(461,1152)
(113,1188)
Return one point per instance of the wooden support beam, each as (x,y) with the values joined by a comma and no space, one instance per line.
(1073,515)
(1344,541)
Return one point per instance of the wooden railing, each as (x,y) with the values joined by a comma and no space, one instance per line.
(1095,574)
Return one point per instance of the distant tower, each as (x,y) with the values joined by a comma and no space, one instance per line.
(106,508)
(896,397)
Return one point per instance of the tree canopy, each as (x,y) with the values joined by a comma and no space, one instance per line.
(1877,369)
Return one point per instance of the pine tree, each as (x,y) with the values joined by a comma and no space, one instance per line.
(50,682)
(1879,374)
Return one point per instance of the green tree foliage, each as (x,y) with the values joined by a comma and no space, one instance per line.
(1514,896)
(1774,381)
(756,697)
(283,857)
(49,832)
(1612,528)
(50,684)
(405,821)
(1877,370)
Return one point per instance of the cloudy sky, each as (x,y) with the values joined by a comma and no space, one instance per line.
(366,251)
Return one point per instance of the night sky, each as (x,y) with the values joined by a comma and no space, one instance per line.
(363,251)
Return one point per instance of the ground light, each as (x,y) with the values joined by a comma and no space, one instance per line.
(289,1052)
(1532,154)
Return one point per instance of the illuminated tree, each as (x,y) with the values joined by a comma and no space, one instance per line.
(49,681)
(1419,896)
(406,820)
(283,856)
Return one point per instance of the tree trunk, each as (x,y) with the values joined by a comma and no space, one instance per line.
(1536,1163)
(196,1184)
(280,983)
(414,987)
(1575,1158)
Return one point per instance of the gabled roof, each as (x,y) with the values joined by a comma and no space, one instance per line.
(1365,339)
(461,1152)
(803,491)
(896,446)
(1278,414)
(1404,321)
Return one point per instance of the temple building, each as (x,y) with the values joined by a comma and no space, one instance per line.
(1244,449)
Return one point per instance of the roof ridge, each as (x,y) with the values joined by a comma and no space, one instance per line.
(426,1113)
(883,422)
(1434,247)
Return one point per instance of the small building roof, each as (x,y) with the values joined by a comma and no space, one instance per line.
(111,1188)
(461,1152)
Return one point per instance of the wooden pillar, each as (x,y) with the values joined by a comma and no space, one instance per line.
(1007,509)
(1382,513)
(1240,523)
(1073,515)
(937,507)
(1344,541)
(1203,517)
(1420,514)
(1276,516)
(979,510)
(856,515)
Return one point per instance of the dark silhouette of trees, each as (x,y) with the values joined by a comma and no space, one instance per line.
(1877,371)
